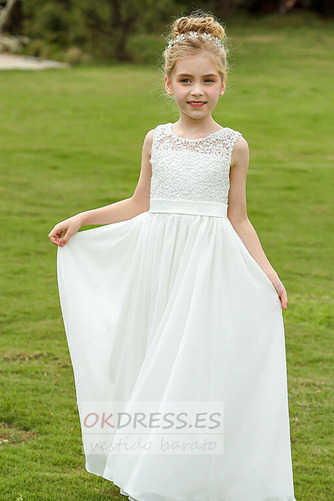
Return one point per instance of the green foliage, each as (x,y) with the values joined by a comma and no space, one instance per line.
(101,28)
(74,55)
(38,48)
(107,29)
(145,49)
(50,21)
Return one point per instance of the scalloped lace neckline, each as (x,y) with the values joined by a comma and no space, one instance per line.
(170,124)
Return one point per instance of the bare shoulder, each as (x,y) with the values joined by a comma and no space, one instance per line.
(148,141)
(241,145)
(149,136)
(240,153)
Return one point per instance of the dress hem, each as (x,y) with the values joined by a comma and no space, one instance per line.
(132,497)
(124,493)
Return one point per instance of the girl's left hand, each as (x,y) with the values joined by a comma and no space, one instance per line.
(281,292)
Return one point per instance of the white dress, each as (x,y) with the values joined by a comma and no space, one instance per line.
(170,307)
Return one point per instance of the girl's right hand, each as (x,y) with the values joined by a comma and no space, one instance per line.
(282,294)
(64,230)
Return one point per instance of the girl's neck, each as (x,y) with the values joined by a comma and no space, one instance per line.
(192,128)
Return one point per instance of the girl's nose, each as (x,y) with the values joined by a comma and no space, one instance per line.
(197,91)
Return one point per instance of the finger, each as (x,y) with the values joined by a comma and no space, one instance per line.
(63,240)
(53,235)
(284,300)
(56,233)
(54,240)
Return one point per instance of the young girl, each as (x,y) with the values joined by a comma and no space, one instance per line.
(173,305)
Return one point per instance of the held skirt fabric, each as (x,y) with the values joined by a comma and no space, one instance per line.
(170,307)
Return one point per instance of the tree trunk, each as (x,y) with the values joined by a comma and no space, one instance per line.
(286,5)
(4,13)
(122,25)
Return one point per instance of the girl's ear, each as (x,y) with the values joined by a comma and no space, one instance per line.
(222,90)
(168,87)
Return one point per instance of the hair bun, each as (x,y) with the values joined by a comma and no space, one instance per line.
(189,35)
(200,24)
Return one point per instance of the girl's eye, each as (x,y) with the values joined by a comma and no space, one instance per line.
(187,80)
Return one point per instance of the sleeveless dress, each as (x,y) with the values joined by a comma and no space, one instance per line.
(169,311)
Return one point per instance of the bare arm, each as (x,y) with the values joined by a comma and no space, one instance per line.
(116,212)
(237,214)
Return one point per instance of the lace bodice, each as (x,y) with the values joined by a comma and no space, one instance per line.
(191,169)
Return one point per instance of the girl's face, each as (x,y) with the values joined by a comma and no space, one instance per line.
(196,85)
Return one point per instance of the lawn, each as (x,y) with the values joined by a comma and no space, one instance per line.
(70,140)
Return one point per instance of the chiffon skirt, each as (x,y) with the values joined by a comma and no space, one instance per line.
(170,306)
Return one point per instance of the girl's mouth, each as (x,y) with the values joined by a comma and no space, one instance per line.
(196,104)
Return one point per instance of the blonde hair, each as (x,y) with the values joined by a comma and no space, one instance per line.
(201,24)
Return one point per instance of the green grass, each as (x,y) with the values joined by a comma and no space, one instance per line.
(71,140)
